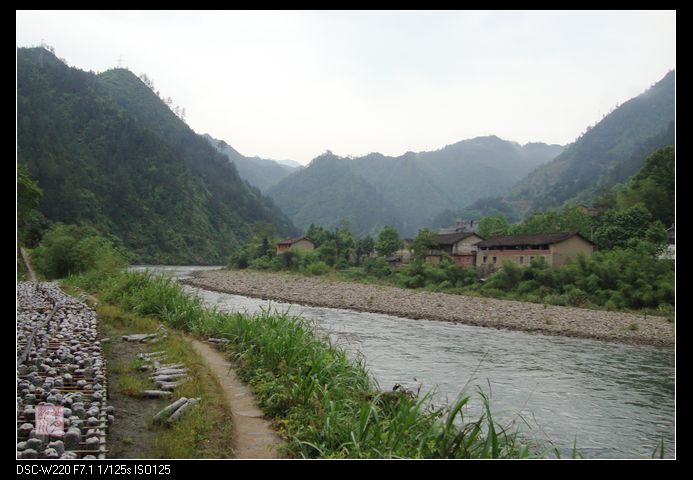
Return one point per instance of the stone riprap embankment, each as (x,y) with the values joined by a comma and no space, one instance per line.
(485,312)
(59,364)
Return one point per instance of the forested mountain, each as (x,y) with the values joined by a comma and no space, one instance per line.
(330,190)
(257,171)
(607,154)
(108,152)
(413,187)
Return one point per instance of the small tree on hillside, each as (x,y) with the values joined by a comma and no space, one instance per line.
(493,226)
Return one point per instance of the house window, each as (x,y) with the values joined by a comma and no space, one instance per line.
(522,259)
(494,260)
(484,259)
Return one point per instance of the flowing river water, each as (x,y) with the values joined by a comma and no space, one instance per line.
(612,400)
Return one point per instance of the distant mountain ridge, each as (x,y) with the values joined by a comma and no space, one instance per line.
(260,172)
(109,153)
(413,187)
(608,153)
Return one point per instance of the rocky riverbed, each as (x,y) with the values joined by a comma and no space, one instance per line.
(486,312)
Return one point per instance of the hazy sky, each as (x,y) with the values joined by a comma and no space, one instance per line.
(290,85)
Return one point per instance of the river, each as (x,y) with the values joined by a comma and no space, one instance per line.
(613,400)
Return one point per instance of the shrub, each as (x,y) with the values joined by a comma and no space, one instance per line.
(576,297)
(377,267)
(417,281)
(70,250)
(556,299)
(265,263)
(318,268)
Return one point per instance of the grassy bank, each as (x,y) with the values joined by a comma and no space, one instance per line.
(200,433)
(324,404)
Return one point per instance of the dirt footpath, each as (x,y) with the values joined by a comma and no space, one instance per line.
(253,436)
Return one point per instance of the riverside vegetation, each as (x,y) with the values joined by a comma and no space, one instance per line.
(626,273)
(323,403)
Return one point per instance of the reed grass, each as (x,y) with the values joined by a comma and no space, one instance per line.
(323,403)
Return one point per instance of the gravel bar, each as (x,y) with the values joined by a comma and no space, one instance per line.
(486,312)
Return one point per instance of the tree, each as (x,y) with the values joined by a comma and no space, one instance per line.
(30,222)
(616,227)
(388,241)
(318,235)
(345,240)
(493,226)
(653,186)
(569,219)
(364,247)
(28,195)
(425,240)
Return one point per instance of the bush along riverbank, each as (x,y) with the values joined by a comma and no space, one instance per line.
(324,404)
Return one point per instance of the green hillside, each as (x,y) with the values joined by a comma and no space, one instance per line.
(329,191)
(415,187)
(107,152)
(607,154)
(259,172)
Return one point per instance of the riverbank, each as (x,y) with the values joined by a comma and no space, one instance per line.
(486,312)
(322,403)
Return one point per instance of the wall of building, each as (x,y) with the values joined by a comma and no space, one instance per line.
(568,249)
(466,246)
(300,245)
(303,245)
(465,260)
(520,257)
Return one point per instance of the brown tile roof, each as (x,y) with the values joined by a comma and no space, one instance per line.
(453,238)
(291,241)
(529,240)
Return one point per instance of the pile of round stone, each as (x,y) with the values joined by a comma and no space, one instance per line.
(64,367)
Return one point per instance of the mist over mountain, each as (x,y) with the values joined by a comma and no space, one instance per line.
(259,172)
(411,188)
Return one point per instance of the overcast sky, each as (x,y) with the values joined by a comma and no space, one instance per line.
(290,85)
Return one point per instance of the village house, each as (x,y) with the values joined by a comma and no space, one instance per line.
(556,248)
(299,243)
(461,246)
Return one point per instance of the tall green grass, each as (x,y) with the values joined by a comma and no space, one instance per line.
(323,403)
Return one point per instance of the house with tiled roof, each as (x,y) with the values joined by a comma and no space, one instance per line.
(556,248)
(298,243)
(461,246)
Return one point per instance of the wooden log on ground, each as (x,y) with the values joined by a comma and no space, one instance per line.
(156,393)
(171,385)
(168,378)
(177,414)
(172,365)
(139,337)
(158,373)
(168,410)
(151,354)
